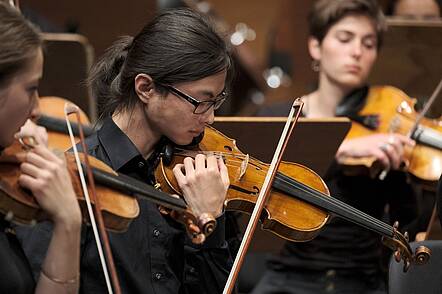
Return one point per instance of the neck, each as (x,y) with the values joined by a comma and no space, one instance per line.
(135,125)
(324,101)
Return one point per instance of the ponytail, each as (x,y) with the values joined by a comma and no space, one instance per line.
(105,77)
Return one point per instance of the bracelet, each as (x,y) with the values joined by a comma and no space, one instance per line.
(59,281)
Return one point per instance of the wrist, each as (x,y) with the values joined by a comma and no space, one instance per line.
(69,221)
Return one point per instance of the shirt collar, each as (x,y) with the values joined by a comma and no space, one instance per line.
(353,102)
(116,144)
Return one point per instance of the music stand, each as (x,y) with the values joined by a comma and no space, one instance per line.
(410,59)
(68,58)
(314,142)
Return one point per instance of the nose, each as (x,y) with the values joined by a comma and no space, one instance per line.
(356,49)
(35,110)
(209,116)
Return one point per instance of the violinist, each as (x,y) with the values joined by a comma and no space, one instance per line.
(162,86)
(43,173)
(345,37)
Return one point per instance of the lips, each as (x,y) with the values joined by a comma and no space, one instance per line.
(196,132)
(353,68)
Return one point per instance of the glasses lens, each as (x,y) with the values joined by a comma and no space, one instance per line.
(206,105)
(218,103)
(203,107)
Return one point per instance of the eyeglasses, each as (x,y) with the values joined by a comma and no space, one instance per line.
(200,106)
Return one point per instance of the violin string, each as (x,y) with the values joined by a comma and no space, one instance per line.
(331,201)
(219,153)
(335,202)
(324,198)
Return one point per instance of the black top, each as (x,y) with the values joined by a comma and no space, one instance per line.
(154,255)
(341,245)
(15,272)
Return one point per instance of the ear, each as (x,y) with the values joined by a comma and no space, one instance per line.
(314,48)
(144,87)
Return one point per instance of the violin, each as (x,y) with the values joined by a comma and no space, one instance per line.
(299,205)
(52,118)
(394,112)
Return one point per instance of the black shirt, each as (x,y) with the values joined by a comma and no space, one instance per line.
(15,272)
(154,255)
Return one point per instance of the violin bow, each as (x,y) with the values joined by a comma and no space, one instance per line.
(425,109)
(263,195)
(97,216)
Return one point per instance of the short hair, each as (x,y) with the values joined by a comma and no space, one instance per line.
(19,42)
(325,13)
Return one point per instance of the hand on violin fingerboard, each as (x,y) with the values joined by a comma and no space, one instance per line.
(388,149)
(204,182)
(46,175)
(32,130)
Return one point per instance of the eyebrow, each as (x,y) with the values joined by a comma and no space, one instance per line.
(210,94)
(206,93)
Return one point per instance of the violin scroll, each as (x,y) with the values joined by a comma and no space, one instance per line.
(402,250)
(198,228)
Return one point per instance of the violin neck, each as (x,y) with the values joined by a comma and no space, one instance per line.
(59,125)
(134,187)
(332,205)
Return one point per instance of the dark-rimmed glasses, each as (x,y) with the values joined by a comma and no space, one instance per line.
(200,106)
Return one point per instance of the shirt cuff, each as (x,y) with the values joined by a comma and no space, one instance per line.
(218,237)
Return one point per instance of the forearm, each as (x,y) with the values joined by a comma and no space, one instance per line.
(60,269)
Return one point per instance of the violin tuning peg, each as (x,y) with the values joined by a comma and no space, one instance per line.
(397,256)
(406,236)
(396,225)
(422,255)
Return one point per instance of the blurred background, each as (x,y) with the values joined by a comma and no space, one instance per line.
(269,40)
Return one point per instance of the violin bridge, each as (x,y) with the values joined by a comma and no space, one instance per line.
(243,167)
(394,124)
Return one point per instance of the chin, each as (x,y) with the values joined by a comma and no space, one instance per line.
(182,141)
(352,83)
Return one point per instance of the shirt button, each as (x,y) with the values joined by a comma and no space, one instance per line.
(158,276)
(156,232)
(140,164)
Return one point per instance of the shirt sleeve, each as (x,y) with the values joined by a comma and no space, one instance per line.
(207,266)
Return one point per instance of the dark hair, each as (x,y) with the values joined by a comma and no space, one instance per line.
(178,45)
(325,13)
(19,41)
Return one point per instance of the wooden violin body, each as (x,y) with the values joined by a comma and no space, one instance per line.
(18,205)
(52,118)
(286,216)
(396,113)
